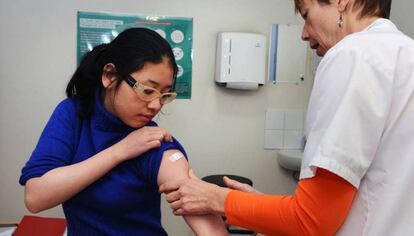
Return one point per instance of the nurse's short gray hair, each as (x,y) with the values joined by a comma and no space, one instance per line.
(380,8)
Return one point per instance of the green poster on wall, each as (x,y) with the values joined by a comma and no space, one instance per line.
(95,28)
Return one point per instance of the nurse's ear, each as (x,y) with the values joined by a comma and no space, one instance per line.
(108,75)
(342,5)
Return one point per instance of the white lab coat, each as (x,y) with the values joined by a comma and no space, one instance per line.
(360,126)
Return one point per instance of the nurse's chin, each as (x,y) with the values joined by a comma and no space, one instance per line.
(320,52)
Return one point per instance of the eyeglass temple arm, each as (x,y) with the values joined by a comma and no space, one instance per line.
(130,81)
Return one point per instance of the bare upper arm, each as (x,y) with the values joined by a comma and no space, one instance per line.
(176,170)
(172,169)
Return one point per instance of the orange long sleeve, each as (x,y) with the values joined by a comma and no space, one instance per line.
(319,207)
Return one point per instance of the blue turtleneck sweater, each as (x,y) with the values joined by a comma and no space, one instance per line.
(125,201)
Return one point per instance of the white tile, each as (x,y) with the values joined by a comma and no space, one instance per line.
(274,119)
(273,139)
(294,119)
(293,139)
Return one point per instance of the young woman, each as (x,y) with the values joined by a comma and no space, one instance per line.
(100,155)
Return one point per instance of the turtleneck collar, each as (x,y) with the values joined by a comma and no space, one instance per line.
(104,120)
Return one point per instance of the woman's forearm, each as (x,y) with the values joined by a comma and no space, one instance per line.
(203,224)
(210,224)
(60,184)
(206,225)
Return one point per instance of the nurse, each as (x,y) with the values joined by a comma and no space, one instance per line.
(100,155)
(357,174)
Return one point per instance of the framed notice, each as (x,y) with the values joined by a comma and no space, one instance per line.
(94,28)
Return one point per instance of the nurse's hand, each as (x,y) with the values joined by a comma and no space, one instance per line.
(140,141)
(233,184)
(194,196)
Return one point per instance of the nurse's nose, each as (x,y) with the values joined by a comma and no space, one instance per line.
(305,34)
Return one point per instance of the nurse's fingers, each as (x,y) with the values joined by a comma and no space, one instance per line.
(176,205)
(178,212)
(170,186)
(233,184)
(173,196)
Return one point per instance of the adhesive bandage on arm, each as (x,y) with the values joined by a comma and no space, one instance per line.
(175,157)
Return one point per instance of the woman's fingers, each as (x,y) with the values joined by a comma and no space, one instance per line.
(168,137)
(140,141)
(154,144)
(160,134)
(165,135)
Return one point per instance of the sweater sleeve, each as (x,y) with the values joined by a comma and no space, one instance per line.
(56,144)
(150,163)
(319,207)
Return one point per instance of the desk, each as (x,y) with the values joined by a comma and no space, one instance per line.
(34,226)
(7,228)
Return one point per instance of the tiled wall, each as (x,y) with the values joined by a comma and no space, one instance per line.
(284,129)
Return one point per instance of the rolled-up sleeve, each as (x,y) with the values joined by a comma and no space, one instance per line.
(151,162)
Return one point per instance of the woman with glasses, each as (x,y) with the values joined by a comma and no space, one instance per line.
(100,155)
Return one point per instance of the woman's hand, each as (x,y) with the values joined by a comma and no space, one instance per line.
(140,141)
(233,184)
(194,196)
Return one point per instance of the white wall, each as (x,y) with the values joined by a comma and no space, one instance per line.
(401,15)
(222,130)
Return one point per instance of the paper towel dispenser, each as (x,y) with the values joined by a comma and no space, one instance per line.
(240,60)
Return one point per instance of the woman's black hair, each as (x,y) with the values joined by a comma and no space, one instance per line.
(129,52)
